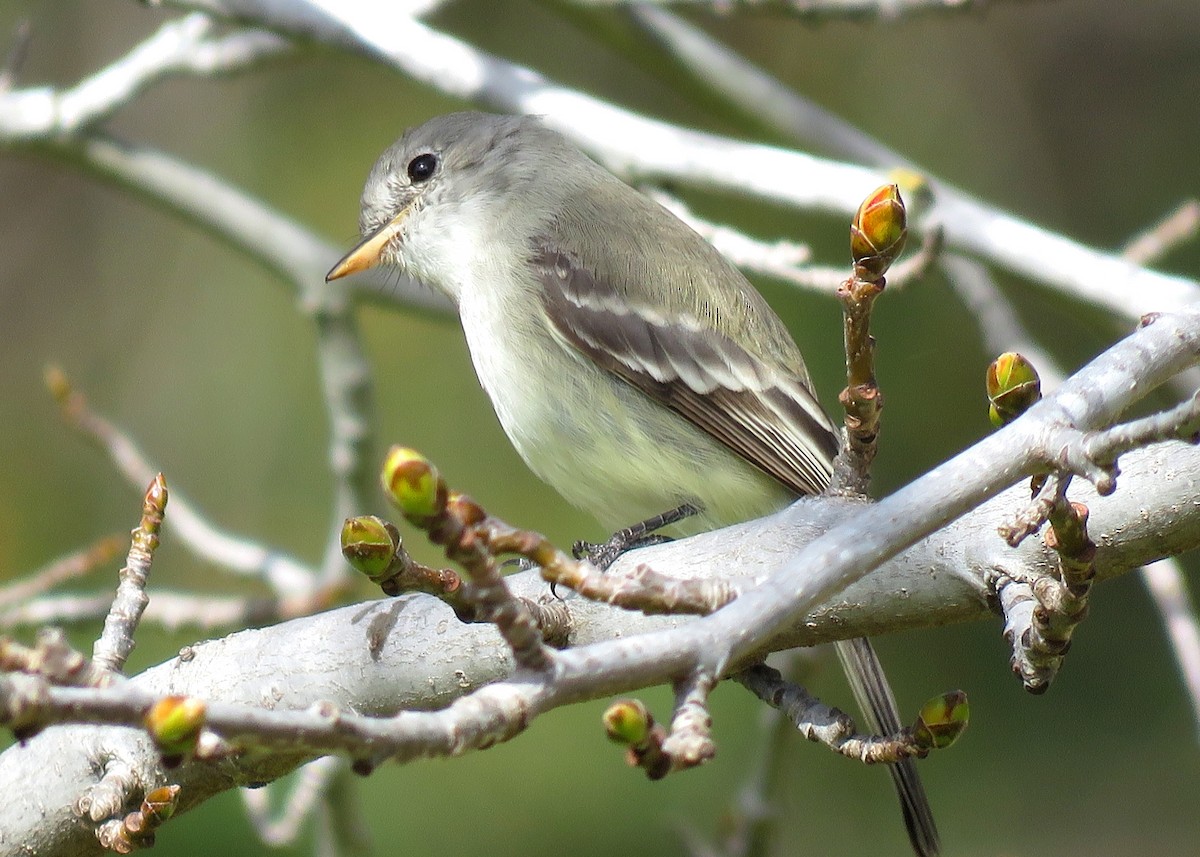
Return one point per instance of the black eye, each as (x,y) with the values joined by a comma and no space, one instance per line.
(421,167)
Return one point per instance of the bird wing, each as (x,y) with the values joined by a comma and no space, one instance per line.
(762,409)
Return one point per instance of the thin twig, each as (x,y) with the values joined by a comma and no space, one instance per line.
(307,793)
(821,10)
(169,609)
(1168,587)
(689,742)
(183,46)
(822,723)
(116,640)
(996,316)
(1178,227)
(53,659)
(69,567)
(970,225)
(284,575)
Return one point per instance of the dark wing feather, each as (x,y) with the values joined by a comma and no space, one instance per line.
(761,412)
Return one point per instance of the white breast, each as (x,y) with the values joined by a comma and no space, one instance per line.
(597,441)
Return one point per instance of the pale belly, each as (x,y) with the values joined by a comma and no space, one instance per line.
(600,443)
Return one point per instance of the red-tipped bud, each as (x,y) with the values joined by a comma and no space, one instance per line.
(159,804)
(878,233)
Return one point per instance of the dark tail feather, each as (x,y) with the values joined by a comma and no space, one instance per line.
(874,696)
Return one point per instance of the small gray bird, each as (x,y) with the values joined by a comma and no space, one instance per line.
(632,366)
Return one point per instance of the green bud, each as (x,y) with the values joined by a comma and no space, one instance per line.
(412,482)
(1013,386)
(174,722)
(942,720)
(628,721)
(369,544)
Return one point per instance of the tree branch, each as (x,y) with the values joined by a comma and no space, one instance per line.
(410,653)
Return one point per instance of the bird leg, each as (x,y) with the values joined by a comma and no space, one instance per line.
(639,535)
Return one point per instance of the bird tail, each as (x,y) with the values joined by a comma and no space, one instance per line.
(874,696)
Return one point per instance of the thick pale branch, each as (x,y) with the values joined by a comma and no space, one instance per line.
(1094,397)
(411,653)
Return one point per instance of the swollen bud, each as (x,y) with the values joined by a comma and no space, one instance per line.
(878,233)
(412,482)
(628,721)
(1013,386)
(174,722)
(942,720)
(369,544)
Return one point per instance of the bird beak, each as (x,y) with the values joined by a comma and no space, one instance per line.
(366,254)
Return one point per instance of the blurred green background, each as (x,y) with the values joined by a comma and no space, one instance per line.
(1074,114)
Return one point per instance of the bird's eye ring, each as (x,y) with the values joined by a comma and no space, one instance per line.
(422,167)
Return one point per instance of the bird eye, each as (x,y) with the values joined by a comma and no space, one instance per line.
(421,167)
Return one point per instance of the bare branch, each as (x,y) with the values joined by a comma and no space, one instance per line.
(783,260)
(1178,227)
(821,723)
(284,575)
(305,797)
(69,567)
(116,640)
(753,91)
(1031,518)
(818,10)
(970,225)
(1167,585)
(53,659)
(185,46)
(1103,447)
(169,609)
(690,742)
(1003,331)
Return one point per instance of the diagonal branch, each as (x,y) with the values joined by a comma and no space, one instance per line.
(970,225)
(618,652)
(186,46)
